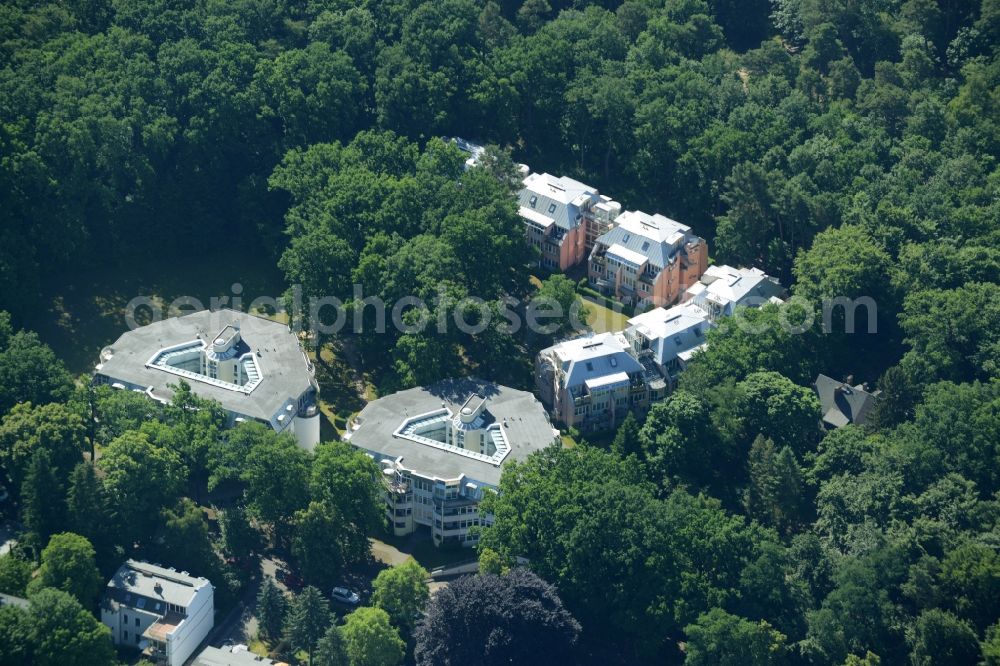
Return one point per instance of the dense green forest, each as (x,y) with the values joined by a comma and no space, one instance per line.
(848,147)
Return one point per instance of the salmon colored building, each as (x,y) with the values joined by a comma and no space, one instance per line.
(563,218)
(646,260)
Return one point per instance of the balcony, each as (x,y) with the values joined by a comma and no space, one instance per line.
(396,486)
(604,283)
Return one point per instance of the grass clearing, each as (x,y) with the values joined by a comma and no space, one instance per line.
(603,319)
(421,547)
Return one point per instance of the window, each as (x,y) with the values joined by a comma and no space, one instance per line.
(532,201)
(626,238)
(645,246)
(125,635)
(614,362)
(125,618)
(137,637)
(590,366)
(552,208)
(137,622)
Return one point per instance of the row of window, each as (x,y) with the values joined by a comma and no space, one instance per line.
(602,406)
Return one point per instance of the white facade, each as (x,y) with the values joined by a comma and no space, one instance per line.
(592,382)
(722,289)
(255,368)
(449,507)
(442,447)
(164,613)
(668,336)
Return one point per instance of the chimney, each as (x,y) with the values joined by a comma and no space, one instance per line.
(158,589)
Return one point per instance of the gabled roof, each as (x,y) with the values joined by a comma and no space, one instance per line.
(655,238)
(594,357)
(841,403)
(730,287)
(671,331)
(559,199)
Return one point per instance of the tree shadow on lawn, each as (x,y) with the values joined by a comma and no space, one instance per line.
(81,314)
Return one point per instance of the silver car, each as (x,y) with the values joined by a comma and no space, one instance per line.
(345,596)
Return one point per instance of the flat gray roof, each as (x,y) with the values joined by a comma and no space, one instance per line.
(285,369)
(136,580)
(11,600)
(528,428)
(213,656)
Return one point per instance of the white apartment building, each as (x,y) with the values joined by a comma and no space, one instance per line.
(668,337)
(722,289)
(592,382)
(164,613)
(254,367)
(442,446)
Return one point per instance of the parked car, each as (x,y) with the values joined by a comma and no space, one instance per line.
(345,596)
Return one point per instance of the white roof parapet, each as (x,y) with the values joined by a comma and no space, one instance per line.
(626,255)
(608,381)
(536,217)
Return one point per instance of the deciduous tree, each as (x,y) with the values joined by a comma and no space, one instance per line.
(68,564)
(490,619)
(370,639)
(402,592)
